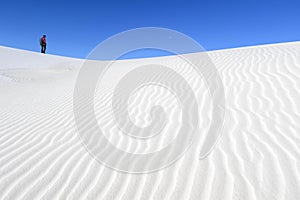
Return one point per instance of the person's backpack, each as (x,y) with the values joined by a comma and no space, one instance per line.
(41,41)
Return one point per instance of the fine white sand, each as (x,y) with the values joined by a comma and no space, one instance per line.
(257,157)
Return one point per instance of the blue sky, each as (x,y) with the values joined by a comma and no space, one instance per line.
(74,28)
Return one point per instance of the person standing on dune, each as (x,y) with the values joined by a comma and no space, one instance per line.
(43,44)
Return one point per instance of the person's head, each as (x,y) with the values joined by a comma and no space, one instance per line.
(44,36)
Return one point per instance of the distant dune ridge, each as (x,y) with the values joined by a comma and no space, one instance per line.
(257,157)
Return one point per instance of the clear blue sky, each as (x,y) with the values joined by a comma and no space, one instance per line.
(74,28)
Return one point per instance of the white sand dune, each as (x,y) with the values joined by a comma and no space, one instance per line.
(257,157)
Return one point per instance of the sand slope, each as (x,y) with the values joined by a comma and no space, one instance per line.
(258,156)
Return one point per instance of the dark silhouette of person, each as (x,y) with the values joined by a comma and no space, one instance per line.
(43,44)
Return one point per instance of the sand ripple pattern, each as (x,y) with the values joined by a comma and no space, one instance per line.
(258,156)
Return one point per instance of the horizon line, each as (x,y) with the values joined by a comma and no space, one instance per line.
(159,56)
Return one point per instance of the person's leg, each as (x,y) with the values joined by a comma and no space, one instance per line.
(42,48)
(45,49)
